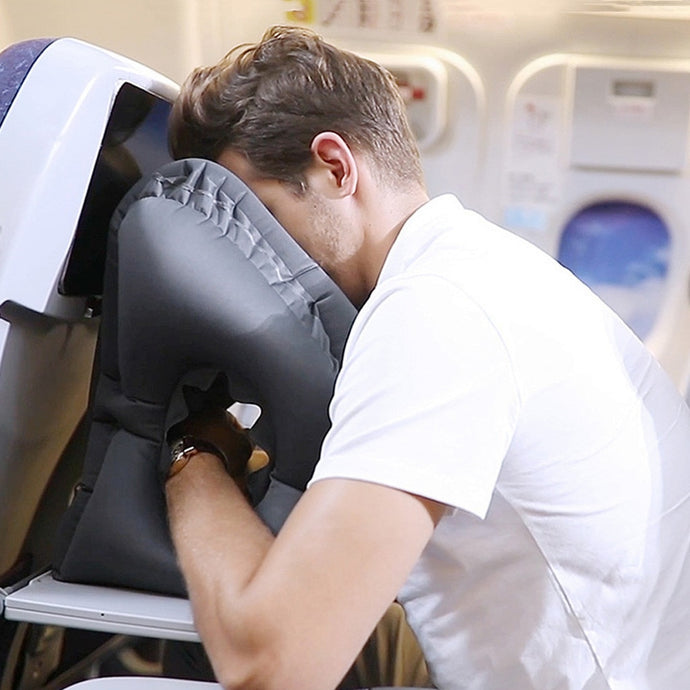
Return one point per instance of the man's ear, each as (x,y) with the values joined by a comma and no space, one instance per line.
(334,171)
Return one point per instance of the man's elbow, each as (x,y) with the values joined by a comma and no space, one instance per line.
(243,658)
(235,669)
(251,675)
(240,677)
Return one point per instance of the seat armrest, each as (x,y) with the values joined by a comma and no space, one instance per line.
(48,601)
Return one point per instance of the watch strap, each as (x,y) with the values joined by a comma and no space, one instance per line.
(186,447)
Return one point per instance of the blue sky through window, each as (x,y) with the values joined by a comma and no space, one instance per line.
(622,251)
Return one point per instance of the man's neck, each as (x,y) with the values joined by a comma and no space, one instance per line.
(385,221)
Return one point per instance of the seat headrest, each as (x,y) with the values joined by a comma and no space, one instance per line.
(201,282)
(15,63)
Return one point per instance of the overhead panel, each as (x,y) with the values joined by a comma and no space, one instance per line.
(630,119)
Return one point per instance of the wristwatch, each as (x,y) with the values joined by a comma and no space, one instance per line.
(185,448)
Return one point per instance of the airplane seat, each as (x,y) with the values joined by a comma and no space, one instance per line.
(67,111)
(77,127)
(15,63)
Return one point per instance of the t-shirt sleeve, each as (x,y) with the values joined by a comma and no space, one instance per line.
(426,401)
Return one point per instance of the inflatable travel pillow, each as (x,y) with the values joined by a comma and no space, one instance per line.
(202,285)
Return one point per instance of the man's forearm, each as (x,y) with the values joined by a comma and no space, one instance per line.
(291,613)
(220,544)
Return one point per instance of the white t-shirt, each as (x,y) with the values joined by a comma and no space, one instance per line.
(483,375)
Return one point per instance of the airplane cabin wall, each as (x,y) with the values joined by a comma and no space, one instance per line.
(604,40)
(170,36)
(173,36)
(501,47)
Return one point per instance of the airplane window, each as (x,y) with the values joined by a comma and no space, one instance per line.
(621,250)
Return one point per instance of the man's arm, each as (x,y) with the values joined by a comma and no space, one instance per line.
(294,611)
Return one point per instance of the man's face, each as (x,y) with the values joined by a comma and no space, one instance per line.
(307,217)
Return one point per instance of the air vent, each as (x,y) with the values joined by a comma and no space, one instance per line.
(462,9)
(671,9)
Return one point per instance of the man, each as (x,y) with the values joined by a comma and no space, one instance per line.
(505,457)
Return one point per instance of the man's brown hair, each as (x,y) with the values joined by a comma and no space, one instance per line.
(271,99)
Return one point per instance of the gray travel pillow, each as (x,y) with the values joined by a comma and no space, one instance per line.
(201,285)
